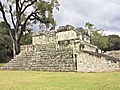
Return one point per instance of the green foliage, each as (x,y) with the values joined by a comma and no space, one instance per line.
(65,28)
(45,11)
(21,17)
(106,43)
(113,42)
(26,39)
(29,80)
(98,40)
(5,43)
(89,25)
(82,31)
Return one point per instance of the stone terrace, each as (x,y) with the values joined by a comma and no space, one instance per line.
(45,58)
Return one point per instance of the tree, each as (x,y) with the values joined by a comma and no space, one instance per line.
(82,31)
(26,38)
(66,28)
(5,43)
(20,17)
(99,40)
(89,27)
(96,38)
(113,42)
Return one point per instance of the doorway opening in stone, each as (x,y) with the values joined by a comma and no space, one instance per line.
(75,55)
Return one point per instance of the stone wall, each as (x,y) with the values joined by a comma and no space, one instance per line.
(95,62)
(44,37)
(86,38)
(63,51)
(46,57)
(66,35)
(38,47)
(42,58)
(115,53)
(26,48)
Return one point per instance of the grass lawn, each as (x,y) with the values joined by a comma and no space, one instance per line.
(1,64)
(33,80)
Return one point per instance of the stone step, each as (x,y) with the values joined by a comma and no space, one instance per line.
(44,60)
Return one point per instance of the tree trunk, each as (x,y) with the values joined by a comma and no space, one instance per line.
(14,50)
(16,47)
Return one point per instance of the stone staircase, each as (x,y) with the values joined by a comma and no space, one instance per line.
(43,58)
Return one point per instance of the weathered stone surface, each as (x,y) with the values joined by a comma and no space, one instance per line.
(45,58)
(115,53)
(63,51)
(95,62)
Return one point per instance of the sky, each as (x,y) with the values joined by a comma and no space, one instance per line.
(104,14)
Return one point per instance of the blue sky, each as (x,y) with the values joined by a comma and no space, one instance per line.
(102,13)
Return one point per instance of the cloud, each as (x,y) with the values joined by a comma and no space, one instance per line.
(102,13)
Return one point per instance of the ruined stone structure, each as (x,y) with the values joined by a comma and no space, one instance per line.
(62,50)
(115,53)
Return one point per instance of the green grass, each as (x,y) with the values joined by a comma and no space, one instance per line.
(33,80)
(1,64)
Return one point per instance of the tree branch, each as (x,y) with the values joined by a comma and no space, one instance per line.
(28,6)
(18,11)
(22,3)
(23,26)
(28,17)
(4,17)
(12,15)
